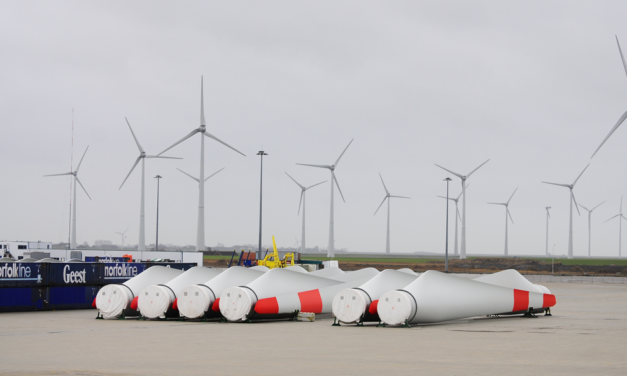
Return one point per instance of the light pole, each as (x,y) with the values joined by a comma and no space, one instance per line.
(447,180)
(553,260)
(261,153)
(158,177)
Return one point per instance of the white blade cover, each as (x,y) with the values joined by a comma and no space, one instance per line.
(155,300)
(512,279)
(315,301)
(113,300)
(328,272)
(350,305)
(195,301)
(435,297)
(237,303)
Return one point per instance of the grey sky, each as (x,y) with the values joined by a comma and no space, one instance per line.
(534,86)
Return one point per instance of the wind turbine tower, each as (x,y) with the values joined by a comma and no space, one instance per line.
(331,168)
(620,225)
(462,254)
(141,242)
(506,204)
(301,201)
(202,129)
(457,216)
(590,224)
(572,199)
(76,180)
(387,197)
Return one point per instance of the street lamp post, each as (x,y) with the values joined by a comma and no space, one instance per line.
(261,153)
(158,177)
(447,180)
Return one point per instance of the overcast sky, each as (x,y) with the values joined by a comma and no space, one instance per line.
(532,86)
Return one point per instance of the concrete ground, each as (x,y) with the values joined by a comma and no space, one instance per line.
(586,335)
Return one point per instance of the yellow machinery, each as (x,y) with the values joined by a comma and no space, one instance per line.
(272,260)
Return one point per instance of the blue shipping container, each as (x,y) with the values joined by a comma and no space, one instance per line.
(73,274)
(72,297)
(18,274)
(20,299)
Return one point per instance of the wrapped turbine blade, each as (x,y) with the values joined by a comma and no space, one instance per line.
(157,299)
(514,280)
(113,300)
(198,300)
(237,303)
(352,304)
(436,296)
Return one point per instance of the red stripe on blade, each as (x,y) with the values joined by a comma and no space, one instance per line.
(548,300)
(216,305)
(93,304)
(134,303)
(175,305)
(521,300)
(267,306)
(310,301)
(373,307)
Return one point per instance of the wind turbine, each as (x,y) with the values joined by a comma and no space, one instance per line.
(620,225)
(462,254)
(589,224)
(572,199)
(301,201)
(458,217)
(202,129)
(388,196)
(141,243)
(624,116)
(331,168)
(122,233)
(548,216)
(506,204)
(76,180)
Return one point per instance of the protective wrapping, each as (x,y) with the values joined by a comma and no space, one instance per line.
(113,300)
(514,280)
(157,299)
(436,296)
(197,300)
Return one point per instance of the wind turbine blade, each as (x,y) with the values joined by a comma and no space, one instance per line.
(613,217)
(129,173)
(510,216)
(340,157)
(460,193)
(311,186)
(585,207)
(623,217)
(561,185)
(584,170)
(495,203)
(450,198)
(445,169)
(473,171)
(399,196)
(510,198)
(618,123)
(300,201)
(459,215)
(66,173)
(384,187)
(338,185)
(202,102)
(160,157)
(598,205)
(81,184)
(314,165)
(294,180)
(141,150)
(79,163)
(385,198)
(223,143)
(207,178)
(125,230)
(188,175)
(621,54)
(190,134)
(574,199)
